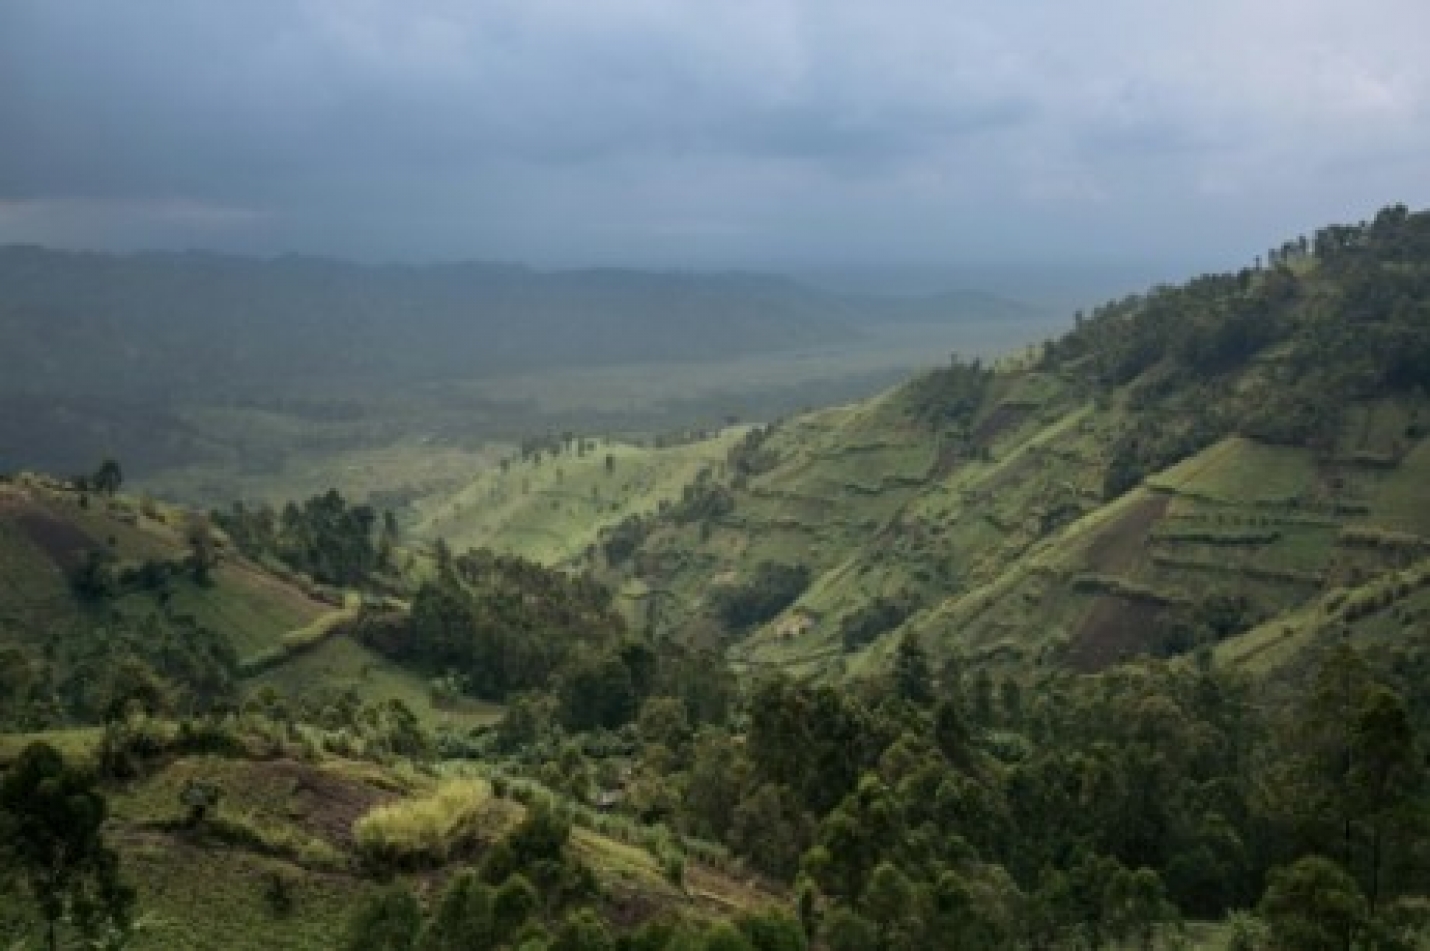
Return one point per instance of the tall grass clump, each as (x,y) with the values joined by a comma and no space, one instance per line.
(425,831)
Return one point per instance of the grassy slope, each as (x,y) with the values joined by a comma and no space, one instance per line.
(283,817)
(43,530)
(552,510)
(340,664)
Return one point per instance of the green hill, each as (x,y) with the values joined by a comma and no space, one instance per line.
(1191,466)
(158,632)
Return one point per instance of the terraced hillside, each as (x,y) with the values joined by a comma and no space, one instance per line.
(1195,466)
(552,506)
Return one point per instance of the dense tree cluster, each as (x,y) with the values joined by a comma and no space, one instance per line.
(772,587)
(161,662)
(949,396)
(326,538)
(500,625)
(880,615)
(1105,809)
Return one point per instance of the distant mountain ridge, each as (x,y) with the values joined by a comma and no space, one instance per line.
(161,324)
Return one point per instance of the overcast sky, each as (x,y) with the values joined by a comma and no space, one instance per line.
(774,133)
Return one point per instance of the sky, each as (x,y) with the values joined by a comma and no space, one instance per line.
(820,135)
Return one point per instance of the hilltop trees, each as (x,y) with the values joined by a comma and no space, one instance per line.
(502,624)
(1352,327)
(108,477)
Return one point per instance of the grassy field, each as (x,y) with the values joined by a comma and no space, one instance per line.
(340,664)
(552,510)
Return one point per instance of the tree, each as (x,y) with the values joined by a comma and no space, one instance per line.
(582,931)
(770,829)
(108,477)
(198,797)
(54,817)
(846,930)
(389,921)
(1135,904)
(890,901)
(1352,770)
(773,931)
(1386,773)
(463,918)
(512,905)
(1312,905)
(912,678)
(597,692)
(203,550)
(726,937)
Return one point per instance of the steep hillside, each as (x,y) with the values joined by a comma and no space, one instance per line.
(1179,468)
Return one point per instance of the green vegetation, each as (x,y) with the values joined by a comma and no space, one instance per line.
(1119,644)
(325,538)
(1086,505)
(51,818)
(551,505)
(430,830)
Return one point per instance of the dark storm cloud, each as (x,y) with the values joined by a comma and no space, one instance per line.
(684,132)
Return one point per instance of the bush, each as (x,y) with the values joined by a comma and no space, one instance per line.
(1245,932)
(278,894)
(1312,905)
(390,921)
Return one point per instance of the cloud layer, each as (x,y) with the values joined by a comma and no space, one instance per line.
(742,132)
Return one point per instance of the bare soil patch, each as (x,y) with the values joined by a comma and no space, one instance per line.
(323,802)
(1114,630)
(1120,544)
(61,541)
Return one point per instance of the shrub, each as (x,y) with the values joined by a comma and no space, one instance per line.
(390,921)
